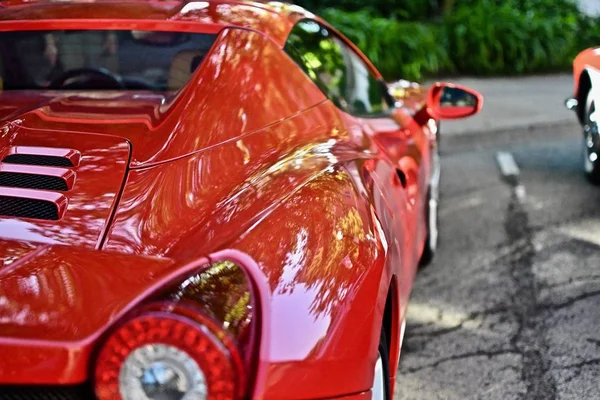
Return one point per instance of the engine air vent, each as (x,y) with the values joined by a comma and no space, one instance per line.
(37,159)
(34,392)
(28,208)
(42,156)
(32,203)
(33,181)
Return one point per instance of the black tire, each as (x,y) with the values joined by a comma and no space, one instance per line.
(591,141)
(385,357)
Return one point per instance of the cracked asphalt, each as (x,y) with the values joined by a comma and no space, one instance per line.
(510,309)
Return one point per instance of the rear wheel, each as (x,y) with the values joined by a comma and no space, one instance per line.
(591,141)
(381,377)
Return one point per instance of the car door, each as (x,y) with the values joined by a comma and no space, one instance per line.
(400,139)
(364,105)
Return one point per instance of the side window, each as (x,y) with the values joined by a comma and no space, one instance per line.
(338,71)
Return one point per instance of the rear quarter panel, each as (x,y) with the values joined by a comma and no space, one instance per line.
(325,259)
(307,215)
(589,58)
(294,195)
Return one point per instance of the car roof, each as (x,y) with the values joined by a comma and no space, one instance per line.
(273,18)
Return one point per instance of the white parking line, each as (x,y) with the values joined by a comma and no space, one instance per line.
(520,192)
(585,230)
(508,165)
(510,170)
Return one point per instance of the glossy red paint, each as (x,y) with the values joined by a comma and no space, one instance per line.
(589,58)
(50,317)
(48,332)
(326,211)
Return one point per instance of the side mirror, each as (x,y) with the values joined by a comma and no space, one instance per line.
(449,101)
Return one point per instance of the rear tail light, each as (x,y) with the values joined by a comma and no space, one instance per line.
(169,353)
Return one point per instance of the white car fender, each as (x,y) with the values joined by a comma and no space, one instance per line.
(594,75)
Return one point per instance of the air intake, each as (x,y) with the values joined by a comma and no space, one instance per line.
(31,181)
(42,156)
(34,159)
(33,392)
(31,203)
(28,208)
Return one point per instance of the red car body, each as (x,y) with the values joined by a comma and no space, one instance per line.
(586,94)
(324,212)
(586,76)
(588,61)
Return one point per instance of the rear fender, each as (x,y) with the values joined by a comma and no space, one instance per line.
(50,316)
(594,75)
(587,83)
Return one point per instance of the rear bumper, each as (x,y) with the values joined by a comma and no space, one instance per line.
(572,103)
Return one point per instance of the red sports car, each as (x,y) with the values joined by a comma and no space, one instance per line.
(206,200)
(584,102)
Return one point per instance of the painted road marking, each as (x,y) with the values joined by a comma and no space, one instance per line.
(508,165)
(510,170)
(587,230)
(520,192)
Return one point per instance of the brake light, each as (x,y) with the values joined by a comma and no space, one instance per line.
(163,355)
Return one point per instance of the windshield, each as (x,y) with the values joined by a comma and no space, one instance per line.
(100,60)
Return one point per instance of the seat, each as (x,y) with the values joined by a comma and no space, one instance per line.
(183,66)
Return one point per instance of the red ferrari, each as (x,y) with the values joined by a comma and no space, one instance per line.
(585,100)
(206,200)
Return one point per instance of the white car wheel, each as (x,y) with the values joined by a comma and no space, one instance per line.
(591,141)
(431,242)
(379,386)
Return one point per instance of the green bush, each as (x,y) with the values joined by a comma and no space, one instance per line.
(405,50)
(589,32)
(547,8)
(500,39)
(475,37)
(402,9)
(512,37)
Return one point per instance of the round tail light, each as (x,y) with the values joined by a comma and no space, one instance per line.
(168,356)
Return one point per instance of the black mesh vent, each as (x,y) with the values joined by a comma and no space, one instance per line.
(81,392)
(29,159)
(28,208)
(31,181)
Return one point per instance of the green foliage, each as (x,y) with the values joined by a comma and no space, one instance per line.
(402,9)
(547,8)
(589,32)
(500,39)
(511,37)
(475,37)
(405,50)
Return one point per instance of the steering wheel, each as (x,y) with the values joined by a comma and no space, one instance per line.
(87,78)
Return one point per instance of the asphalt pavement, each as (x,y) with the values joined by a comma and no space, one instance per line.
(510,309)
(516,103)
